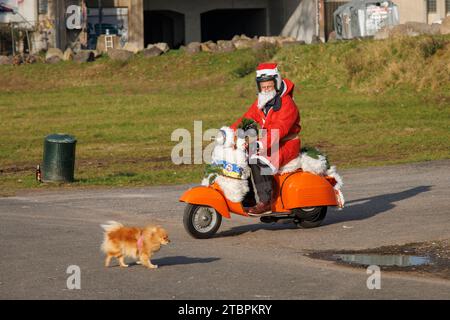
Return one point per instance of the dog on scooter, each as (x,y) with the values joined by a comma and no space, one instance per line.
(134,242)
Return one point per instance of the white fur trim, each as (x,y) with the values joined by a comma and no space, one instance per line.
(270,72)
(291,166)
(229,137)
(337,187)
(205,181)
(234,189)
(284,90)
(316,166)
(227,152)
(218,153)
(340,199)
(333,173)
(240,144)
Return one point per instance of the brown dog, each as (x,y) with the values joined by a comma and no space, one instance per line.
(120,242)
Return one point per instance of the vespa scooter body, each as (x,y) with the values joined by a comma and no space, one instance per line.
(290,191)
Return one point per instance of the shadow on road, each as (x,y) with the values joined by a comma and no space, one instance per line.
(366,208)
(359,209)
(236,231)
(176,260)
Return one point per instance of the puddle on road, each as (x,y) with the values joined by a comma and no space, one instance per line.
(383,260)
(431,258)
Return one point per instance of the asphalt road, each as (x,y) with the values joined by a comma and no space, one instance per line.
(43,233)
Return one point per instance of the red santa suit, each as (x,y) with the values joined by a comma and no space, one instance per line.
(285,117)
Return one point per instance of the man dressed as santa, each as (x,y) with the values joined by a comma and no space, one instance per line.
(279,121)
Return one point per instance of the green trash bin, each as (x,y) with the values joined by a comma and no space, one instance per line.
(59,158)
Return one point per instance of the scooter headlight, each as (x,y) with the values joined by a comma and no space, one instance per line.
(221,137)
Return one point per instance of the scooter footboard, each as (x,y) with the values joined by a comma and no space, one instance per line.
(304,189)
(206,196)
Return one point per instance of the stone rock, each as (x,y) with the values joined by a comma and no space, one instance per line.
(271,40)
(68,55)
(97,54)
(225,46)
(209,46)
(193,47)
(410,29)
(316,40)
(30,59)
(281,40)
(53,60)
(332,37)
(236,38)
(5,60)
(421,28)
(243,44)
(152,52)
(436,28)
(18,59)
(244,37)
(240,37)
(119,54)
(259,46)
(444,27)
(401,30)
(277,40)
(84,56)
(54,52)
(164,47)
(132,47)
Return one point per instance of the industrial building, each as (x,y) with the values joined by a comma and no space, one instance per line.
(40,24)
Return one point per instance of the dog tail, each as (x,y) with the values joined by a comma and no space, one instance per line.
(111,226)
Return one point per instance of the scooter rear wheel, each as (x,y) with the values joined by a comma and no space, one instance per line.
(201,222)
(310,217)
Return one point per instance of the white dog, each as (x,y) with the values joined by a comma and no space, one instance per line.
(233,157)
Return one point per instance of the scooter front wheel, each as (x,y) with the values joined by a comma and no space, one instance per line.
(201,222)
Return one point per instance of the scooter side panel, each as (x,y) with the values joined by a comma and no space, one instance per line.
(277,203)
(304,189)
(206,196)
(235,207)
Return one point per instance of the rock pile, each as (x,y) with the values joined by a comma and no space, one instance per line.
(238,42)
(412,29)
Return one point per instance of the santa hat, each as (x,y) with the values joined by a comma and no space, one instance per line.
(268,71)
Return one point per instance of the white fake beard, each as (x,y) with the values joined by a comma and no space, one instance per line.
(264,97)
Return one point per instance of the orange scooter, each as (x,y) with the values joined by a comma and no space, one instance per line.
(301,196)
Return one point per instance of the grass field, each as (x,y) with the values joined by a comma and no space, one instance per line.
(363,103)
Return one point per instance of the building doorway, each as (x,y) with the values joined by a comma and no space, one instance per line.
(224,24)
(164,26)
